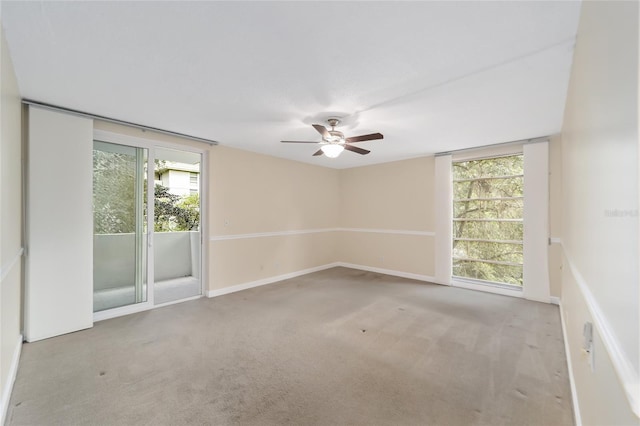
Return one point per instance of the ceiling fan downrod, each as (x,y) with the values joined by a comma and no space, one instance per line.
(333,122)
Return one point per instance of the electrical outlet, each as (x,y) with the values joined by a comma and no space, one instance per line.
(226,223)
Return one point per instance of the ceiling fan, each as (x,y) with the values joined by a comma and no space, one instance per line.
(333,141)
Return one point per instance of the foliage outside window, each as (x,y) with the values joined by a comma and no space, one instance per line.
(174,212)
(114,181)
(488,204)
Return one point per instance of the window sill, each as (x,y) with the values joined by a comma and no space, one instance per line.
(487,287)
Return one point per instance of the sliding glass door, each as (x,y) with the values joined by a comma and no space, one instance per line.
(137,190)
(176,225)
(119,223)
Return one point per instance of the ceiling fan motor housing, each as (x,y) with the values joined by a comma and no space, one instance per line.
(334,142)
(336,137)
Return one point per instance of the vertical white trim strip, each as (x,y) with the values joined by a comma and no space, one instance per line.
(536,225)
(204,222)
(444,219)
(149,261)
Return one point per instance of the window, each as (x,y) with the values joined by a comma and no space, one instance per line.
(193,179)
(488,202)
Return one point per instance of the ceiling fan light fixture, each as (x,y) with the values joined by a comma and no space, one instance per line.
(334,142)
(332,150)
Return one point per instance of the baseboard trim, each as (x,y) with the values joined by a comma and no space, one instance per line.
(277,278)
(137,307)
(269,280)
(574,393)
(11,379)
(409,275)
(554,300)
(621,364)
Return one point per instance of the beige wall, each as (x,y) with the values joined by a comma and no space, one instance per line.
(10,216)
(395,196)
(600,175)
(259,193)
(252,194)
(555,215)
(242,261)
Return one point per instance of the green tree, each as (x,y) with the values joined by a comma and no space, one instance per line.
(174,212)
(189,219)
(488,205)
(114,185)
(113,192)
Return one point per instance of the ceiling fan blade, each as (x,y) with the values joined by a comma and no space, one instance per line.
(298,142)
(318,152)
(370,137)
(322,130)
(356,149)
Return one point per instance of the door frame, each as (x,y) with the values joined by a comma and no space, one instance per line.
(150,145)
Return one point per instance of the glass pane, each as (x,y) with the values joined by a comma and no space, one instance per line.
(500,166)
(502,274)
(488,230)
(488,188)
(489,209)
(496,252)
(119,242)
(177,243)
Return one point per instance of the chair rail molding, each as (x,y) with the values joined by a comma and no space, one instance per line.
(623,367)
(320,230)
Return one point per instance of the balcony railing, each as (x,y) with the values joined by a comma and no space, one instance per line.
(176,255)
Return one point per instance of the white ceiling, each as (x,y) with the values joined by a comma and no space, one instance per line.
(430,76)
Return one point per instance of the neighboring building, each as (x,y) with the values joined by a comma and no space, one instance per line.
(181,178)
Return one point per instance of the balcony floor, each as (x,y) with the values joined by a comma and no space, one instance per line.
(165,291)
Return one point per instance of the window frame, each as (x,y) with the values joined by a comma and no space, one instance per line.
(472,280)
